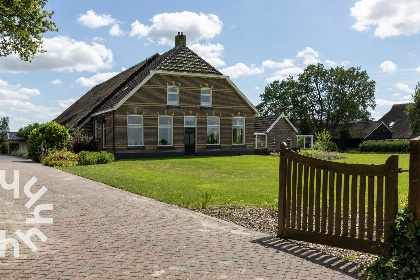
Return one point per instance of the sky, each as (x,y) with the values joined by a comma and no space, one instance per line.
(253,42)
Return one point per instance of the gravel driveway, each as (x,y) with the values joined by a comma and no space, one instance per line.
(100,232)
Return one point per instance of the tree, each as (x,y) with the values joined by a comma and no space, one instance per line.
(25,131)
(4,128)
(22,25)
(413,111)
(322,99)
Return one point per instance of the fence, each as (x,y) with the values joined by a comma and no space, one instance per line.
(325,202)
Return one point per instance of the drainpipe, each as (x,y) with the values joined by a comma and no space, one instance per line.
(113,132)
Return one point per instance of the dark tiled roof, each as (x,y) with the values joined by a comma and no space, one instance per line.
(262,124)
(358,129)
(397,120)
(106,95)
(11,136)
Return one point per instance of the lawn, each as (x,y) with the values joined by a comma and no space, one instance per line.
(210,181)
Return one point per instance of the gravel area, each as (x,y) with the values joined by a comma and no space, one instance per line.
(264,220)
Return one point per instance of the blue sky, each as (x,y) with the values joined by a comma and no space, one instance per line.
(253,42)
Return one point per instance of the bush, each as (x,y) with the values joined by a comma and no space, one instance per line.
(385,146)
(400,259)
(13,145)
(23,153)
(322,154)
(3,148)
(90,158)
(25,131)
(60,158)
(45,139)
(81,141)
(323,142)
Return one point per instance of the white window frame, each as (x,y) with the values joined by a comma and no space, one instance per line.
(210,94)
(274,141)
(213,126)
(172,103)
(256,146)
(238,126)
(103,135)
(95,129)
(140,126)
(304,141)
(170,126)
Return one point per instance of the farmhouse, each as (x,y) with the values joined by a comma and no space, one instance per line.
(173,104)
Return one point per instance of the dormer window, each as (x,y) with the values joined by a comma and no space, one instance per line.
(173,96)
(206,97)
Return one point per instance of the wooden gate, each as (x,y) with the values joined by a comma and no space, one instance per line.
(325,202)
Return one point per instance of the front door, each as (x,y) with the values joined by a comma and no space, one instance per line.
(189,140)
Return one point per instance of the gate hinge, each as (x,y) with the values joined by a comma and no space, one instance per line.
(400,170)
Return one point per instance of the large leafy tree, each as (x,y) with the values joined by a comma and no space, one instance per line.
(22,25)
(4,128)
(413,111)
(25,131)
(321,98)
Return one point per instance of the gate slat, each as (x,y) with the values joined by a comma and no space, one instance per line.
(318,201)
(380,208)
(324,201)
(371,204)
(346,204)
(353,205)
(294,181)
(311,200)
(331,203)
(305,198)
(338,204)
(299,197)
(288,191)
(362,205)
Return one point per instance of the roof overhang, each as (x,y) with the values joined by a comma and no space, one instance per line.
(282,116)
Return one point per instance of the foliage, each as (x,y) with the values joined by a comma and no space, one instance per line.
(385,146)
(82,141)
(60,158)
(23,24)
(4,148)
(22,153)
(401,258)
(25,131)
(90,158)
(323,154)
(4,128)
(413,111)
(323,142)
(322,98)
(13,145)
(47,137)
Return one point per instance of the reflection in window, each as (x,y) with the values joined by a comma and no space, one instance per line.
(238,126)
(165,131)
(213,131)
(135,130)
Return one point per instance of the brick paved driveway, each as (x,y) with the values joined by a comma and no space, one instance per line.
(100,232)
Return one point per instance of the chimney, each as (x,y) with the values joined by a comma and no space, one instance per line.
(180,40)
(280,110)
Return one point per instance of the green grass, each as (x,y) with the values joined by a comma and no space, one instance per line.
(209,181)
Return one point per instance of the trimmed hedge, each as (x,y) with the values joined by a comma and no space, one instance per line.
(3,148)
(13,145)
(385,146)
(90,158)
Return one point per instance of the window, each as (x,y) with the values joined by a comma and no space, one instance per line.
(206,97)
(96,129)
(238,131)
(165,131)
(135,130)
(274,141)
(173,96)
(213,131)
(103,136)
(289,142)
(260,140)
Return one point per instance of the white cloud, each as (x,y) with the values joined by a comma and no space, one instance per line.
(396,94)
(25,107)
(116,31)
(388,103)
(63,54)
(388,66)
(418,69)
(268,63)
(64,104)
(240,69)
(284,73)
(330,63)
(98,39)
(387,17)
(209,52)
(95,80)
(92,20)
(309,56)
(256,88)
(165,26)
(404,87)
(15,92)
(56,82)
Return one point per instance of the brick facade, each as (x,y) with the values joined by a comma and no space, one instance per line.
(150,101)
(281,131)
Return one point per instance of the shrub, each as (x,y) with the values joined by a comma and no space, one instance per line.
(90,158)
(323,142)
(25,131)
(60,158)
(13,145)
(81,141)
(3,148)
(23,153)
(385,146)
(45,139)
(321,154)
(400,259)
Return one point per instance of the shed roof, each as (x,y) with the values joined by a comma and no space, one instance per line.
(11,136)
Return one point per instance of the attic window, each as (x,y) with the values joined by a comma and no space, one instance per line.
(173,96)
(206,97)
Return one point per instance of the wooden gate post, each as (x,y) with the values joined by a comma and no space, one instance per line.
(414,178)
(282,190)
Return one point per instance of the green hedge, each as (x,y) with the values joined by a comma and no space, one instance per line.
(90,158)
(385,146)
(3,148)
(13,145)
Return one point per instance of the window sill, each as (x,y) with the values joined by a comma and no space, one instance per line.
(213,146)
(238,145)
(165,147)
(136,147)
(206,107)
(173,106)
